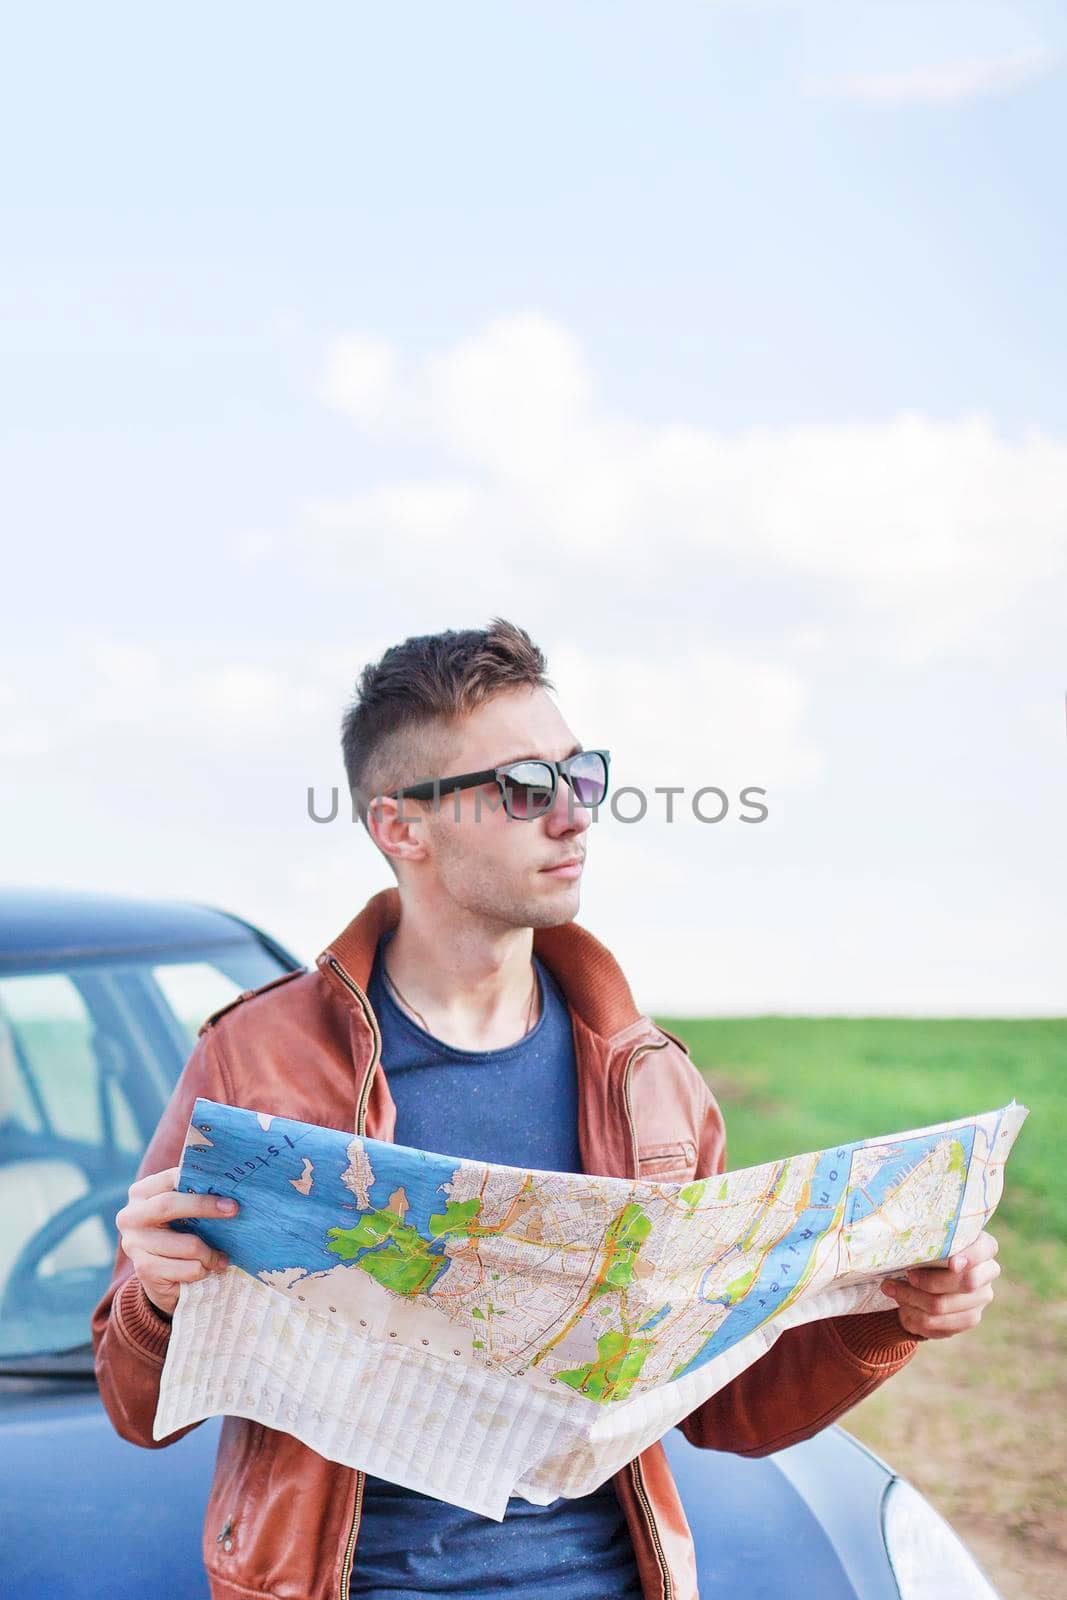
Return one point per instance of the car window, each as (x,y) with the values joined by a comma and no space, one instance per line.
(193,990)
(53,1035)
(89,1055)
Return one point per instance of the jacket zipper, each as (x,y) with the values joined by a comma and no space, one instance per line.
(364,1093)
(361,1114)
(636,1474)
(357,1511)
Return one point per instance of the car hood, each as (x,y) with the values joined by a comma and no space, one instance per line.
(806,1520)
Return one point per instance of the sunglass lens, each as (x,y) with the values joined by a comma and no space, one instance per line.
(589,777)
(528,789)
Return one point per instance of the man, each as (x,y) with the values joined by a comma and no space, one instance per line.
(465,1011)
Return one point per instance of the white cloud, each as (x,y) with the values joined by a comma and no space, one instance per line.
(221,710)
(253,545)
(417,511)
(515,399)
(360,377)
(701,717)
(948,85)
(25,738)
(934,533)
(621,544)
(178,699)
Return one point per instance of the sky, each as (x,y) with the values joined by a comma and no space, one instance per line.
(721,346)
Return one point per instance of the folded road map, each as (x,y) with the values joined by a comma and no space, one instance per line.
(476,1331)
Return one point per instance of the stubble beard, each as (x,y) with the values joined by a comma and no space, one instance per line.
(478,887)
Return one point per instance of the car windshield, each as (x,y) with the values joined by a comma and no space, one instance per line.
(90,1051)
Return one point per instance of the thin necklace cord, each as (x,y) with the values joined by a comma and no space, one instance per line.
(409,1007)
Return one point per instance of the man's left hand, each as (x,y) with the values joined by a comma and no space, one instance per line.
(937,1301)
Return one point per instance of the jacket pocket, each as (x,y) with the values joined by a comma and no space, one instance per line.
(674,1160)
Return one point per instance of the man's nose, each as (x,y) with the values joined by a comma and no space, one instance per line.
(568,815)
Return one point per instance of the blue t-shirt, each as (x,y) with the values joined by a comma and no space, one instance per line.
(518,1107)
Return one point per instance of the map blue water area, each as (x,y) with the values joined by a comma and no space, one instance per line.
(655,1320)
(257,1168)
(784,1264)
(899,1158)
(420,1174)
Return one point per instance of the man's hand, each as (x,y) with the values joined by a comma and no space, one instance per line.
(162,1258)
(936,1302)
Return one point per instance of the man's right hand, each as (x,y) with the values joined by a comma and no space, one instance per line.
(163,1258)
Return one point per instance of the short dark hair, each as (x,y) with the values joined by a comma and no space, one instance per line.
(395,730)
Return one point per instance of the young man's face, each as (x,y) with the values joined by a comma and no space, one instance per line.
(484,860)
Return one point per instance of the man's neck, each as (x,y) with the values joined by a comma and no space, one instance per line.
(471,983)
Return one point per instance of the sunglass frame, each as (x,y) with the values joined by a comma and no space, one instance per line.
(433,788)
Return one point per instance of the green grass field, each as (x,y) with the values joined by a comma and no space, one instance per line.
(789,1084)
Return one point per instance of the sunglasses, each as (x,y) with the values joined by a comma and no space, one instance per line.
(528,787)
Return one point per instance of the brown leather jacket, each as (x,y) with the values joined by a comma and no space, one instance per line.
(283,1521)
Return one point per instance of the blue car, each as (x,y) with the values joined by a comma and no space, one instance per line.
(100,1000)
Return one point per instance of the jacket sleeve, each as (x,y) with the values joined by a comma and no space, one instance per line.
(130,1336)
(809,1377)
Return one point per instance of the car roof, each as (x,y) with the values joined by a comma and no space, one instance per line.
(49,923)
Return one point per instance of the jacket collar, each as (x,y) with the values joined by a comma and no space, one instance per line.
(586,971)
